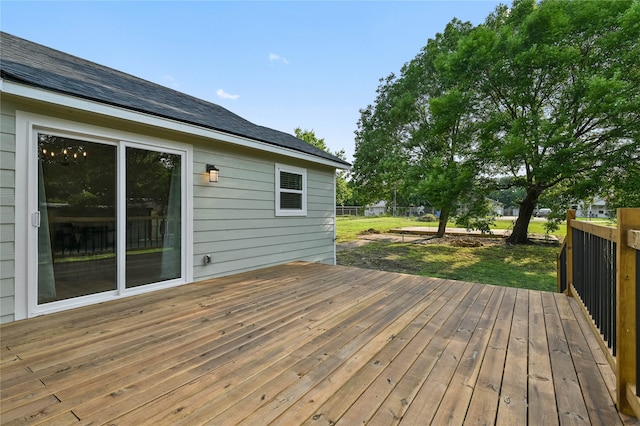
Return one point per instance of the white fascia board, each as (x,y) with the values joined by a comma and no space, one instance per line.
(42,95)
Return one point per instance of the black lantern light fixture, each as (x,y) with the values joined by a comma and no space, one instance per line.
(213,172)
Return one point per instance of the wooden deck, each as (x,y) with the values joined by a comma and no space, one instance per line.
(311,344)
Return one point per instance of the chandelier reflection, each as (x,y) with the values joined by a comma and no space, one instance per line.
(64,156)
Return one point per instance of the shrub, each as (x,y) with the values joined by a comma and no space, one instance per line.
(428,218)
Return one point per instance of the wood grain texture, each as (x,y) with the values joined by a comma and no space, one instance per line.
(313,344)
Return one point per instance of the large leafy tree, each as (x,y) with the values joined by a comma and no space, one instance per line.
(418,136)
(557,90)
(624,188)
(544,94)
(505,192)
(344,192)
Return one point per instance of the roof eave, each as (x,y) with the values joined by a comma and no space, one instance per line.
(38,94)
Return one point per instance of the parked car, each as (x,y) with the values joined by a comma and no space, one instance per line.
(543,212)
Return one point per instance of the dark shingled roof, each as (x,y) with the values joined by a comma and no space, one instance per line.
(32,64)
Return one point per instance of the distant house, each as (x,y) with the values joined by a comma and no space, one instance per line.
(596,208)
(376,209)
(511,211)
(113,186)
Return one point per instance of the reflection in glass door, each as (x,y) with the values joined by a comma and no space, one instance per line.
(77,208)
(154,216)
(83,249)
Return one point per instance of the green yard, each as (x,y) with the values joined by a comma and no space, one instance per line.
(527,266)
(349,227)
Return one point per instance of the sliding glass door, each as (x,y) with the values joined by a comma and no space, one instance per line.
(110,217)
(154,231)
(77,215)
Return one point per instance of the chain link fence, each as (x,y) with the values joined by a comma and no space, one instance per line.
(397,211)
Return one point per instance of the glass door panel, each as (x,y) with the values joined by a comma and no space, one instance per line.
(154,216)
(77,207)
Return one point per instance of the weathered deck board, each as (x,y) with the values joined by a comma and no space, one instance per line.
(483,408)
(394,359)
(453,408)
(310,344)
(404,377)
(570,400)
(597,399)
(512,408)
(541,396)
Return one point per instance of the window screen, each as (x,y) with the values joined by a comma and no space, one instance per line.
(290,191)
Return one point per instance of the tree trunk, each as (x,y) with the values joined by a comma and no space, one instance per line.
(519,234)
(442,223)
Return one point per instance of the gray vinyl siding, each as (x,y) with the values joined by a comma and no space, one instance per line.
(235,221)
(7,213)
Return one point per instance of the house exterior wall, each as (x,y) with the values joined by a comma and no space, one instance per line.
(234,219)
(7,212)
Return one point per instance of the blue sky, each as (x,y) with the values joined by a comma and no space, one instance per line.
(286,64)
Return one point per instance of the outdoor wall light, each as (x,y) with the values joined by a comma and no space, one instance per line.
(213,172)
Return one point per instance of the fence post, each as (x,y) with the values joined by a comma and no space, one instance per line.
(628,219)
(571,215)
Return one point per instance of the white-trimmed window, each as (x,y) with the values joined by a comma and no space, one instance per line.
(291,191)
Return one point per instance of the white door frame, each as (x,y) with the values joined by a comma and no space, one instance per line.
(26,235)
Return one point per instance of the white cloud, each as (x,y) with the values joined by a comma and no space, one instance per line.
(224,95)
(277,58)
(170,81)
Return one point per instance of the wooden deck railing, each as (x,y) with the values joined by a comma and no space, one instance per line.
(600,266)
(84,236)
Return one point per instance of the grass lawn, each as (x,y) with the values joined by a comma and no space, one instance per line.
(350,227)
(526,266)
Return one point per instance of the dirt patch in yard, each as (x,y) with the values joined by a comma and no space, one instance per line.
(378,257)
(362,254)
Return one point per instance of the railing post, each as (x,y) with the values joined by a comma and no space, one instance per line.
(561,269)
(571,215)
(628,219)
